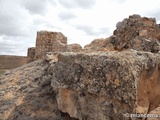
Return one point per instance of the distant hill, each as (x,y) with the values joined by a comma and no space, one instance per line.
(9,61)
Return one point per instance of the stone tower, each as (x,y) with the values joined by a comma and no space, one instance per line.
(49,41)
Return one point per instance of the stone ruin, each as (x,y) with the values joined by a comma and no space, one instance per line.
(116,78)
(136,32)
(50,42)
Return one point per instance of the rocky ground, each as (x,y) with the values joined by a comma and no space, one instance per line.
(108,79)
(26,94)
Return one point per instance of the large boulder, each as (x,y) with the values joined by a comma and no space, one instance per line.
(106,86)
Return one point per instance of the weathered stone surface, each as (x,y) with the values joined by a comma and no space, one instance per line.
(123,79)
(74,47)
(85,106)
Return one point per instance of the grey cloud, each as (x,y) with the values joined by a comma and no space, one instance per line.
(12,46)
(12,19)
(9,51)
(50,25)
(37,6)
(104,31)
(87,29)
(39,21)
(10,27)
(17,26)
(77,3)
(6,50)
(14,28)
(65,16)
(91,31)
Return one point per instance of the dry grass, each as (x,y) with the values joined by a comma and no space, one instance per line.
(2,71)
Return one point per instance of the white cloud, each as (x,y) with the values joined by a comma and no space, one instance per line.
(65,16)
(12,19)
(80,20)
(12,45)
(37,6)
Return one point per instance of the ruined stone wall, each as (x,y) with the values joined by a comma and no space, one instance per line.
(31,54)
(47,41)
(9,62)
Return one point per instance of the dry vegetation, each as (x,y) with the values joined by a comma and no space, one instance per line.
(2,71)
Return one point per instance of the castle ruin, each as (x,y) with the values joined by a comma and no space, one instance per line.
(50,42)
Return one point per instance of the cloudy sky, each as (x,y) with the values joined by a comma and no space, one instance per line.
(80,20)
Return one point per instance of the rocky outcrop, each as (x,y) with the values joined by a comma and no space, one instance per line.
(74,47)
(99,45)
(136,32)
(111,79)
(107,84)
